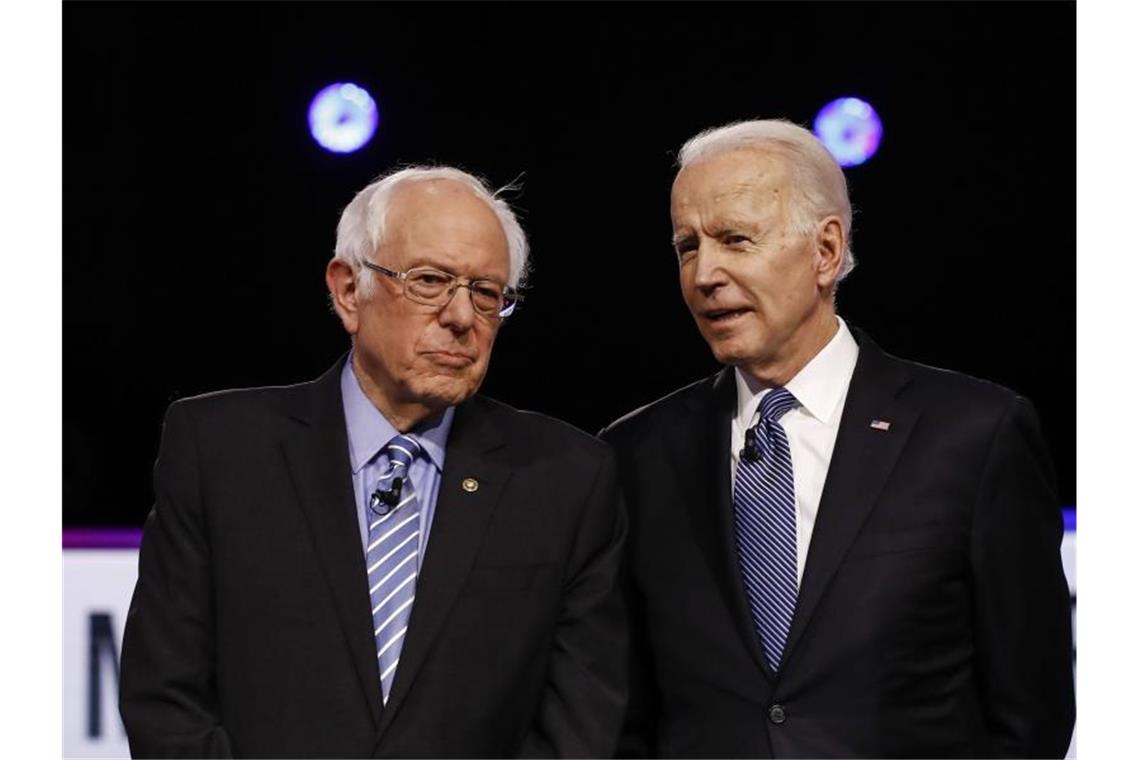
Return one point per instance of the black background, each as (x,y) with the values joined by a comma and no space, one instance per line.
(199,214)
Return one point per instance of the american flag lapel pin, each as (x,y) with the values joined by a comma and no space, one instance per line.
(880,425)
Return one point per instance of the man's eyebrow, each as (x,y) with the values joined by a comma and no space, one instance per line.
(720,227)
(735,223)
(427,263)
(682,236)
(448,270)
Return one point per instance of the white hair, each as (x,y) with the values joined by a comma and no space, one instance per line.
(362,223)
(820,188)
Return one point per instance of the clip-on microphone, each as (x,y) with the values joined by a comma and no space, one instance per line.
(383,500)
(750,452)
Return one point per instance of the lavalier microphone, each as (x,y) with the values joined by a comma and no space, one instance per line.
(385,499)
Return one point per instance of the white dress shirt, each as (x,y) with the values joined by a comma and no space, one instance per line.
(821,388)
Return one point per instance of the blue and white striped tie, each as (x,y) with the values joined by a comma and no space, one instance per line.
(393,546)
(765,507)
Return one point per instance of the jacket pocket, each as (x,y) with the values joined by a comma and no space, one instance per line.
(512,577)
(878,543)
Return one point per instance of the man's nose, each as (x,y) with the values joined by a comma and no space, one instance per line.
(708,268)
(459,313)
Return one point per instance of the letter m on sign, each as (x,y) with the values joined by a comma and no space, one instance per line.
(102,654)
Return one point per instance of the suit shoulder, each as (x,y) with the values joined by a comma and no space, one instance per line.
(237,403)
(539,431)
(960,382)
(648,419)
(952,389)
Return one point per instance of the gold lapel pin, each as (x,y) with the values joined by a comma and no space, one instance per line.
(470,485)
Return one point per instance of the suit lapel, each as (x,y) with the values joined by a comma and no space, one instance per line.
(316,452)
(700,451)
(861,462)
(460,522)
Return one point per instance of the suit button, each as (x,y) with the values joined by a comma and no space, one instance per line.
(776,714)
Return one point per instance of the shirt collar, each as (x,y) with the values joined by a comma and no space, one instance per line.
(819,386)
(369,430)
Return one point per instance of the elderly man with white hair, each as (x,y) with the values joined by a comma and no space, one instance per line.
(833,552)
(381,563)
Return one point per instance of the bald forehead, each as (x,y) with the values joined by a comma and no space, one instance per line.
(444,224)
(743,188)
(435,192)
(732,174)
(440,199)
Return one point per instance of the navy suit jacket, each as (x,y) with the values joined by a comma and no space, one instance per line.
(933,616)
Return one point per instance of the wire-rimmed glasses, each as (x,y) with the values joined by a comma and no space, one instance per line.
(433,287)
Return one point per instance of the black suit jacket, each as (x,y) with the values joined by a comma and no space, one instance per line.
(933,616)
(250,630)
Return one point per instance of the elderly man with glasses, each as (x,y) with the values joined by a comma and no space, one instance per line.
(381,562)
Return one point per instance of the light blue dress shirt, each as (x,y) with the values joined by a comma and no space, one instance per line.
(368,432)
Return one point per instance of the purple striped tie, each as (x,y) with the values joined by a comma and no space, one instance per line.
(765,507)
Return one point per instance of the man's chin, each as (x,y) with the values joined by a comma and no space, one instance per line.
(443,390)
(728,353)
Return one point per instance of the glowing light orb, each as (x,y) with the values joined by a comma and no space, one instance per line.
(343,117)
(850,129)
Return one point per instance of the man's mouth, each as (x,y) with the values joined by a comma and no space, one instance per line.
(450,358)
(723,316)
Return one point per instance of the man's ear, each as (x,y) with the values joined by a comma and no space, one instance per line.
(830,248)
(341,281)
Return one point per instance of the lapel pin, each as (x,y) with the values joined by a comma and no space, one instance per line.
(470,485)
(880,425)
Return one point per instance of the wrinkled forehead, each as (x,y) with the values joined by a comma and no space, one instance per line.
(744,176)
(446,225)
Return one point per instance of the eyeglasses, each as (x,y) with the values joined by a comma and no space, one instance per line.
(432,287)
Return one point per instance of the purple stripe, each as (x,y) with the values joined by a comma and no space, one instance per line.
(102,538)
(1070,515)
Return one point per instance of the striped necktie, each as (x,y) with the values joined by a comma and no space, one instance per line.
(393,548)
(765,508)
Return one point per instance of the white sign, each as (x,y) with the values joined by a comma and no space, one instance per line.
(97,586)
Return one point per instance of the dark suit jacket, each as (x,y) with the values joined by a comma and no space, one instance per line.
(933,617)
(250,630)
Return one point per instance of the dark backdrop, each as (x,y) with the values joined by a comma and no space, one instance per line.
(199,214)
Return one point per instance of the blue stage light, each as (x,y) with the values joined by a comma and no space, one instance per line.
(343,117)
(850,129)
